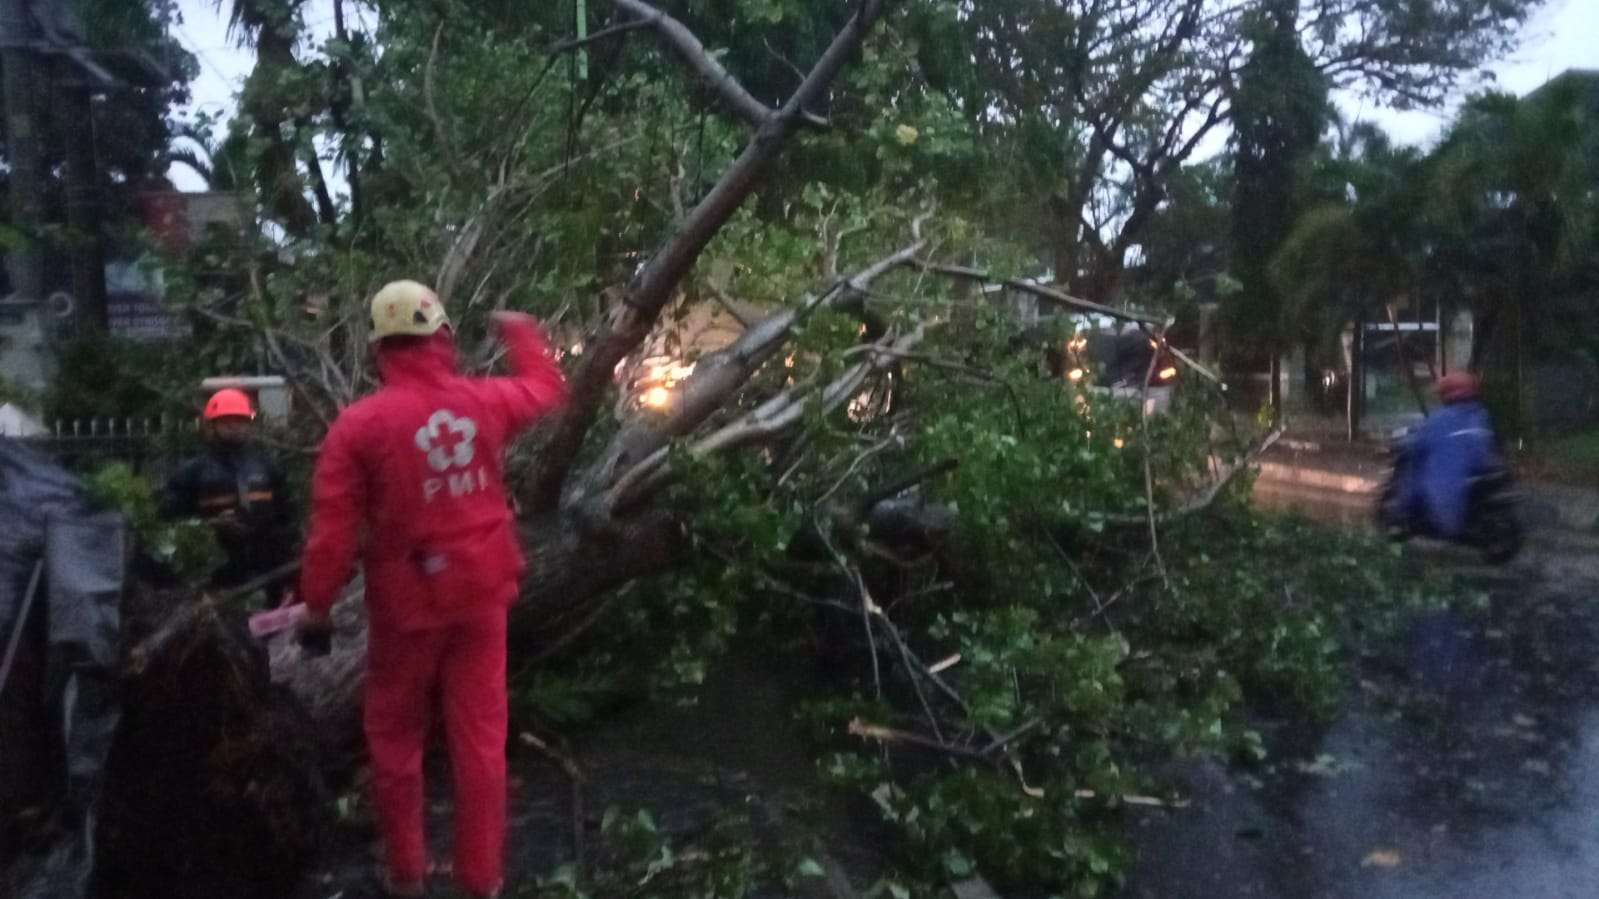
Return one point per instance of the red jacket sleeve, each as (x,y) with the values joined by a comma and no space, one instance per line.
(338,502)
(536,385)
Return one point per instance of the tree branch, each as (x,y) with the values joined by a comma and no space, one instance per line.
(1202,370)
(1206,498)
(720,374)
(896,487)
(602,34)
(1149,477)
(1047,294)
(859,728)
(771,417)
(439,130)
(728,305)
(294,374)
(976,374)
(654,285)
(327,212)
(339,109)
(688,47)
(855,464)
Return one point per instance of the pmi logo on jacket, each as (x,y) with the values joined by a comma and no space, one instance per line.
(447,441)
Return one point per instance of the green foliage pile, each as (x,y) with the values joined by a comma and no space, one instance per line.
(188,548)
(1092,664)
(1250,623)
(643,859)
(1254,624)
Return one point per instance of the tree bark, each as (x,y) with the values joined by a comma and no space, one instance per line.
(1483,336)
(276,175)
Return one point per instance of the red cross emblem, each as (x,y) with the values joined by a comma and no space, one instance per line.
(447,440)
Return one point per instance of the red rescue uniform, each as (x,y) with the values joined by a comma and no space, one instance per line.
(410,480)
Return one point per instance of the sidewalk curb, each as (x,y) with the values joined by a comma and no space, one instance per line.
(1321,479)
(1545,505)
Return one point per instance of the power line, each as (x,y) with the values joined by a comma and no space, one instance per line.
(193,46)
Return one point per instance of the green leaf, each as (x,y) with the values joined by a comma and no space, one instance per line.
(956,864)
(810,867)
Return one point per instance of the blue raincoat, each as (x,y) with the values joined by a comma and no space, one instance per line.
(1454,444)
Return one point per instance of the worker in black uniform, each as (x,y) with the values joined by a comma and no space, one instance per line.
(240,493)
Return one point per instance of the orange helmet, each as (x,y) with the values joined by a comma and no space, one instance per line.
(1457,386)
(228,403)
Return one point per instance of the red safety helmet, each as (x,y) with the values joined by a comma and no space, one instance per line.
(1457,387)
(228,403)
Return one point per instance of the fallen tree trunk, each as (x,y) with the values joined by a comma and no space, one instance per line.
(229,744)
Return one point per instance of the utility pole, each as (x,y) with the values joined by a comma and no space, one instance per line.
(1357,377)
(27,173)
(87,249)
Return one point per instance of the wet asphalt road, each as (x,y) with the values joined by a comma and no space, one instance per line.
(1465,766)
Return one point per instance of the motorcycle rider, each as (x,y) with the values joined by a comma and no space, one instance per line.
(1454,445)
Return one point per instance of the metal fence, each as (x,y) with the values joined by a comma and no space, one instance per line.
(147,445)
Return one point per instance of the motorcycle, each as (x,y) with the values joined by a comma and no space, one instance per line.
(1493,520)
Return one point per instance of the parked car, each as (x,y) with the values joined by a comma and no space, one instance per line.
(1112,363)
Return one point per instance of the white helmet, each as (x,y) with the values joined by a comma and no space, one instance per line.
(406,309)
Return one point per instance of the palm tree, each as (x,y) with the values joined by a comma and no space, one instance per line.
(1361,244)
(223,165)
(266,105)
(1513,205)
(1512,200)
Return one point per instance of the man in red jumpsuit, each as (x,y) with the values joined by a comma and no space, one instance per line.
(409,479)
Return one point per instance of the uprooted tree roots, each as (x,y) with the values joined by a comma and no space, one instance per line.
(215,784)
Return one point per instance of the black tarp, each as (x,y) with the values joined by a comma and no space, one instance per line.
(75,557)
